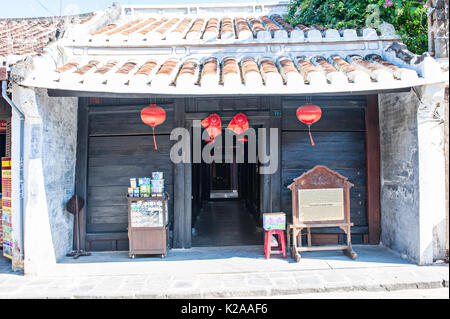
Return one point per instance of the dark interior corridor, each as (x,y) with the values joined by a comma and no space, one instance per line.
(226,223)
(225,201)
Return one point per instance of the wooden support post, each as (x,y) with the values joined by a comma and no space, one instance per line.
(187,205)
(373,169)
(275,178)
(178,192)
(81,167)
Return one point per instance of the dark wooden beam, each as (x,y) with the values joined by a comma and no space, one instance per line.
(81,167)
(178,191)
(275,179)
(66,93)
(187,240)
(373,169)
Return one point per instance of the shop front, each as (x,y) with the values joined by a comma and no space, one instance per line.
(89,136)
(120,147)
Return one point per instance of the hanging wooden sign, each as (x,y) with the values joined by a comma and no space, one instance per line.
(320,199)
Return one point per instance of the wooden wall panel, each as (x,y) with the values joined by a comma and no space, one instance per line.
(113,160)
(340,144)
(333,120)
(226,104)
(336,150)
(125,120)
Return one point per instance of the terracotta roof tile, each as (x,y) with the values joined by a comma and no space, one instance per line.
(270,24)
(399,73)
(147,67)
(319,27)
(105,29)
(210,66)
(286,26)
(226,30)
(210,76)
(87,19)
(67,67)
(303,27)
(230,72)
(211,29)
(138,26)
(195,29)
(376,73)
(256,25)
(163,29)
(353,74)
(332,74)
(153,26)
(86,68)
(124,27)
(167,67)
(24,36)
(182,26)
(106,67)
(127,67)
(310,72)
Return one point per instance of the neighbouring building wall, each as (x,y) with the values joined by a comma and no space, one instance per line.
(399,173)
(49,174)
(438,44)
(412,175)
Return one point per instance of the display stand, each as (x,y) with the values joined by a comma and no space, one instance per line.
(148,225)
(320,198)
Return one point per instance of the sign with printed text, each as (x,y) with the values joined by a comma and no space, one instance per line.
(6,207)
(3,126)
(318,205)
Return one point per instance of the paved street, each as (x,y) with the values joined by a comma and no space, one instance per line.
(438,293)
(229,272)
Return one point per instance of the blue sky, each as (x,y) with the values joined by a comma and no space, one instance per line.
(44,8)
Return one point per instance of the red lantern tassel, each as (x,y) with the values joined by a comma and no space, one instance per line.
(154,139)
(310,136)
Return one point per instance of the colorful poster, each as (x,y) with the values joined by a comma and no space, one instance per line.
(1,227)
(6,209)
(3,126)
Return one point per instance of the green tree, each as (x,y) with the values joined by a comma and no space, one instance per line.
(408,17)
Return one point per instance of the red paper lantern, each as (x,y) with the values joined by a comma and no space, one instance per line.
(309,114)
(213,126)
(153,115)
(239,124)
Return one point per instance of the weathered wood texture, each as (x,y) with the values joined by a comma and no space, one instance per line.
(373,170)
(121,147)
(115,145)
(340,140)
(81,167)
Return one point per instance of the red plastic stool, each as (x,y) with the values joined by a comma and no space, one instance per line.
(281,243)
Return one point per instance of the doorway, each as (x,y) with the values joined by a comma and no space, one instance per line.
(226,199)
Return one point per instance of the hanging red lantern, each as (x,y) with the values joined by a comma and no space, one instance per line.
(309,114)
(213,126)
(239,124)
(153,115)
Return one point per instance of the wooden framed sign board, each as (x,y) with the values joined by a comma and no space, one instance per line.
(320,198)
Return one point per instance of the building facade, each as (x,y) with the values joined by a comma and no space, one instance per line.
(381,126)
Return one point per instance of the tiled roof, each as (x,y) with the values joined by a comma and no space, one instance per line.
(25,36)
(239,74)
(215,29)
(224,50)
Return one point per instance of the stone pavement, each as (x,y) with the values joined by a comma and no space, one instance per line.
(223,272)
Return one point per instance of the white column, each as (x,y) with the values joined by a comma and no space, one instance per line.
(432,212)
(39,256)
